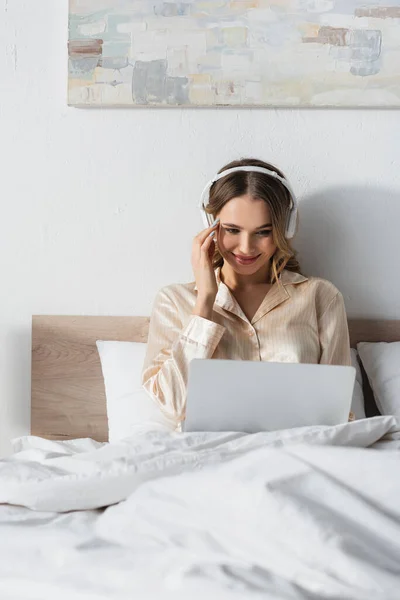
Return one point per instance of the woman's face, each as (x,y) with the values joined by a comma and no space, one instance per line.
(245,234)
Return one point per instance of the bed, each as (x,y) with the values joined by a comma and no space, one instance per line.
(310,513)
(68,399)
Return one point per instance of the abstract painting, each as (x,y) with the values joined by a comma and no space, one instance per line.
(243,53)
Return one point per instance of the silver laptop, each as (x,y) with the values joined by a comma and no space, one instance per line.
(252,396)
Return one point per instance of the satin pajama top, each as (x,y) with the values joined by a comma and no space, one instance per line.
(301,320)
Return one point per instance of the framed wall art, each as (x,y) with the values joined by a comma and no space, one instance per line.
(242,53)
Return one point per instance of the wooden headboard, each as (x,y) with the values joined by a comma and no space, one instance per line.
(68,399)
(67,395)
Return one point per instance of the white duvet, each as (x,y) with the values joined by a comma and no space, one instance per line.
(303,513)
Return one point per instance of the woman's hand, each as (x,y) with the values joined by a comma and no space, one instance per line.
(202,254)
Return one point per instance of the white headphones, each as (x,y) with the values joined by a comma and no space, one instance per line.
(292,216)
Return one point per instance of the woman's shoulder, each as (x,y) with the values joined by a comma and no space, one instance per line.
(309,282)
(324,293)
(175,292)
(323,285)
(318,290)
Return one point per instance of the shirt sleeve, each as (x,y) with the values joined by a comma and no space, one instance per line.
(334,334)
(171,346)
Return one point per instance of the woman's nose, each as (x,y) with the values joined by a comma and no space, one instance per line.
(246,245)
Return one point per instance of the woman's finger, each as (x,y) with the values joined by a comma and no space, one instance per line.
(202,236)
(210,239)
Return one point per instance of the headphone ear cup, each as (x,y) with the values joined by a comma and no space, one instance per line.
(205,216)
(291,223)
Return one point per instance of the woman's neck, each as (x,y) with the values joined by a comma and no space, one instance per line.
(236,281)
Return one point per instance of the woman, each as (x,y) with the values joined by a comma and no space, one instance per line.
(249,300)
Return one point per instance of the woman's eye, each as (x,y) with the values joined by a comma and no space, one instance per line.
(232,231)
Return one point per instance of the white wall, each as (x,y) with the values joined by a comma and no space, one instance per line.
(98,207)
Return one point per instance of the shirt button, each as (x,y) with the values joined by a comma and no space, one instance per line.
(251,333)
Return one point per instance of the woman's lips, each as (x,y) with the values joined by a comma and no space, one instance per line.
(245,260)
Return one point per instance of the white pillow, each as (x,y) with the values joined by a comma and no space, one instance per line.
(357,403)
(129,407)
(381,362)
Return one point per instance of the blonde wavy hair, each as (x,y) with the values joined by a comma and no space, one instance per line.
(260,187)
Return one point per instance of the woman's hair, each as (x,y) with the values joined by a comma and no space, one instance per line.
(260,187)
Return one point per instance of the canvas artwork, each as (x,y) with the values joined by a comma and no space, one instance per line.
(266,53)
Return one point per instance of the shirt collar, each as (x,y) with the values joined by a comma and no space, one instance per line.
(286,277)
(277,294)
(291,278)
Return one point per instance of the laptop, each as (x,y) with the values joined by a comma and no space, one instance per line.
(253,396)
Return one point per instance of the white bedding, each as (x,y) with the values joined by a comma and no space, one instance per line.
(305,513)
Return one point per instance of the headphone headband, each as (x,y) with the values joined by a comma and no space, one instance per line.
(292,216)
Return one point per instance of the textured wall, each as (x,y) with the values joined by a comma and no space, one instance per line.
(98,207)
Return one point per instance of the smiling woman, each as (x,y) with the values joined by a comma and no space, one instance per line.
(253,209)
(249,300)
(246,245)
